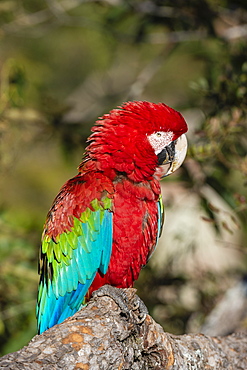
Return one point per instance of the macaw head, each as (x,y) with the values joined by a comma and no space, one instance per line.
(139,139)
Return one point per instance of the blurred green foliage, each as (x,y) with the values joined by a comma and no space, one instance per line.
(65,63)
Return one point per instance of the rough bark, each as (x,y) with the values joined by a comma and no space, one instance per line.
(102,336)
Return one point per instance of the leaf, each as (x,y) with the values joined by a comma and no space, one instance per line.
(207,219)
(213,208)
(226,227)
(235,221)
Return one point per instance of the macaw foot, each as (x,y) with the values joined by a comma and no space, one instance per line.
(140,306)
(126,300)
(118,295)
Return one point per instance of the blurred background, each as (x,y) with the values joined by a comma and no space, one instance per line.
(63,63)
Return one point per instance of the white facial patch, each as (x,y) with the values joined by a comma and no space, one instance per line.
(159,140)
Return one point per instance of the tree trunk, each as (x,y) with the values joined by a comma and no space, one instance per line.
(103,336)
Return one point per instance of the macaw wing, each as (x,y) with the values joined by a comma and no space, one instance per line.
(69,264)
(161,216)
(160,222)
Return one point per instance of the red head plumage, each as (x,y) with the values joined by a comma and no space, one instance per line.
(120,138)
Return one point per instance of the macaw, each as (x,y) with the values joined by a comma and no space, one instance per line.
(105,222)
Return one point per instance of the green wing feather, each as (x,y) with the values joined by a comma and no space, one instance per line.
(69,264)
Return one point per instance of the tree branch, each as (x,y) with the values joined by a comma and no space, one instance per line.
(102,336)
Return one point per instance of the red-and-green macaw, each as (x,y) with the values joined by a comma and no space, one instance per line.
(104,223)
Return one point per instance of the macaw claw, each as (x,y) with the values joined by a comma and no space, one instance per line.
(129,306)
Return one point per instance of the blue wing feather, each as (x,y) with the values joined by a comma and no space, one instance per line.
(89,251)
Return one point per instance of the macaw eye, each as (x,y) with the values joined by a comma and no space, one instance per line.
(158,134)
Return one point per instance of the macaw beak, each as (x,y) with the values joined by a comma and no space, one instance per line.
(172,156)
